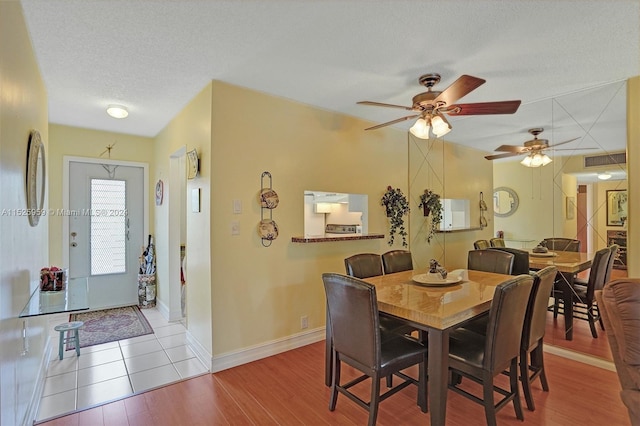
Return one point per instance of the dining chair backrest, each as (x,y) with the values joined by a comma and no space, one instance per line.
(488,260)
(598,272)
(497,242)
(561,244)
(612,259)
(353,309)
(536,317)
(506,319)
(397,261)
(363,265)
(481,244)
(520,259)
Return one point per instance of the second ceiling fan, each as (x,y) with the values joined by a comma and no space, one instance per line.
(430,106)
(534,149)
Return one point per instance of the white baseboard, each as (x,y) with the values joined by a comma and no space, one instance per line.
(201,353)
(274,347)
(580,357)
(163,309)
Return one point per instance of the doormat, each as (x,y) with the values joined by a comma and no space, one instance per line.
(109,325)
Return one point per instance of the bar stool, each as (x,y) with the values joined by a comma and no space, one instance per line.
(72,329)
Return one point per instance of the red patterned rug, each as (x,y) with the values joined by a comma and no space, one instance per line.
(109,325)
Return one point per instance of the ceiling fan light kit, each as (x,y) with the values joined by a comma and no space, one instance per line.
(536,160)
(430,106)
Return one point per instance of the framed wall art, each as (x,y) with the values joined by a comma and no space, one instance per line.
(616,207)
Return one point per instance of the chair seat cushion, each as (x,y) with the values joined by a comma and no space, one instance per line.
(400,350)
(467,346)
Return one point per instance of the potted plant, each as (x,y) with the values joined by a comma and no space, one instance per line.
(431,205)
(397,207)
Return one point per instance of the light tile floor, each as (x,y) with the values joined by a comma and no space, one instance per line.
(115,370)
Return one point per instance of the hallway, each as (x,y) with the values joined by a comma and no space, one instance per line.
(111,371)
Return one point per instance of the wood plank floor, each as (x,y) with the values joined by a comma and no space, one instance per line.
(288,389)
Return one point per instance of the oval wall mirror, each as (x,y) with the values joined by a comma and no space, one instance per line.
(35,178)
(505,201)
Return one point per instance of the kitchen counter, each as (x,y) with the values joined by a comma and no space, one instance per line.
(335,237)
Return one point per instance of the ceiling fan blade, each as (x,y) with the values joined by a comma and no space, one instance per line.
(384,105)
(512,148)
(482,108)
(505,155)
(459,88)
(388,123)
(562,143)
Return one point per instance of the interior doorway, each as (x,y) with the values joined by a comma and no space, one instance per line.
(582,217)
(177,232)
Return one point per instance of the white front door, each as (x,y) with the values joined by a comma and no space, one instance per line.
(106,230)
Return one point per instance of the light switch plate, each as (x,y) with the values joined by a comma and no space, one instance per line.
(237,206)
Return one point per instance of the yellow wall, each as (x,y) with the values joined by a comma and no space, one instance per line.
(259,293)
(23,249)
(77,142)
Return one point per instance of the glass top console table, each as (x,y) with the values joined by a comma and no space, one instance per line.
(74,298)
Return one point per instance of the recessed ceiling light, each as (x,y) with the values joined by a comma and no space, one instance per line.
(117,111)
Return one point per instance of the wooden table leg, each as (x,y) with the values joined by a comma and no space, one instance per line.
(438,375)
(566,283)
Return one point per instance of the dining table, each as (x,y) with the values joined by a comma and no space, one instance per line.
(433,308)
(569,263)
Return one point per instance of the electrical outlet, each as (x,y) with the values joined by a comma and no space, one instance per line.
(304,321)
(235,227)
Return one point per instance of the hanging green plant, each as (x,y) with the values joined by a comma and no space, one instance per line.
(397,207)
(431,205)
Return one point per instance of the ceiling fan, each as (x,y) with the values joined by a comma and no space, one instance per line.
(534,149)
(430,106)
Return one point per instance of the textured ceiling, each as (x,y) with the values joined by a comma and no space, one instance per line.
(155,55)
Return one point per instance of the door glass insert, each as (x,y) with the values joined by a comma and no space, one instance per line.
(108,226)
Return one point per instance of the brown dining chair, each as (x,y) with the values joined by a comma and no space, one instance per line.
(612,257)
(481,244)
(488,260)
(497,242)
(482,357)
(396,261)
(585,305)
(619,304)
(520,259)
(363,265)
(359,342)
(533,331)
(561,244)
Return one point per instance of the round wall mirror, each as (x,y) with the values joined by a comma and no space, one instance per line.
(505,201)
(35,178)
